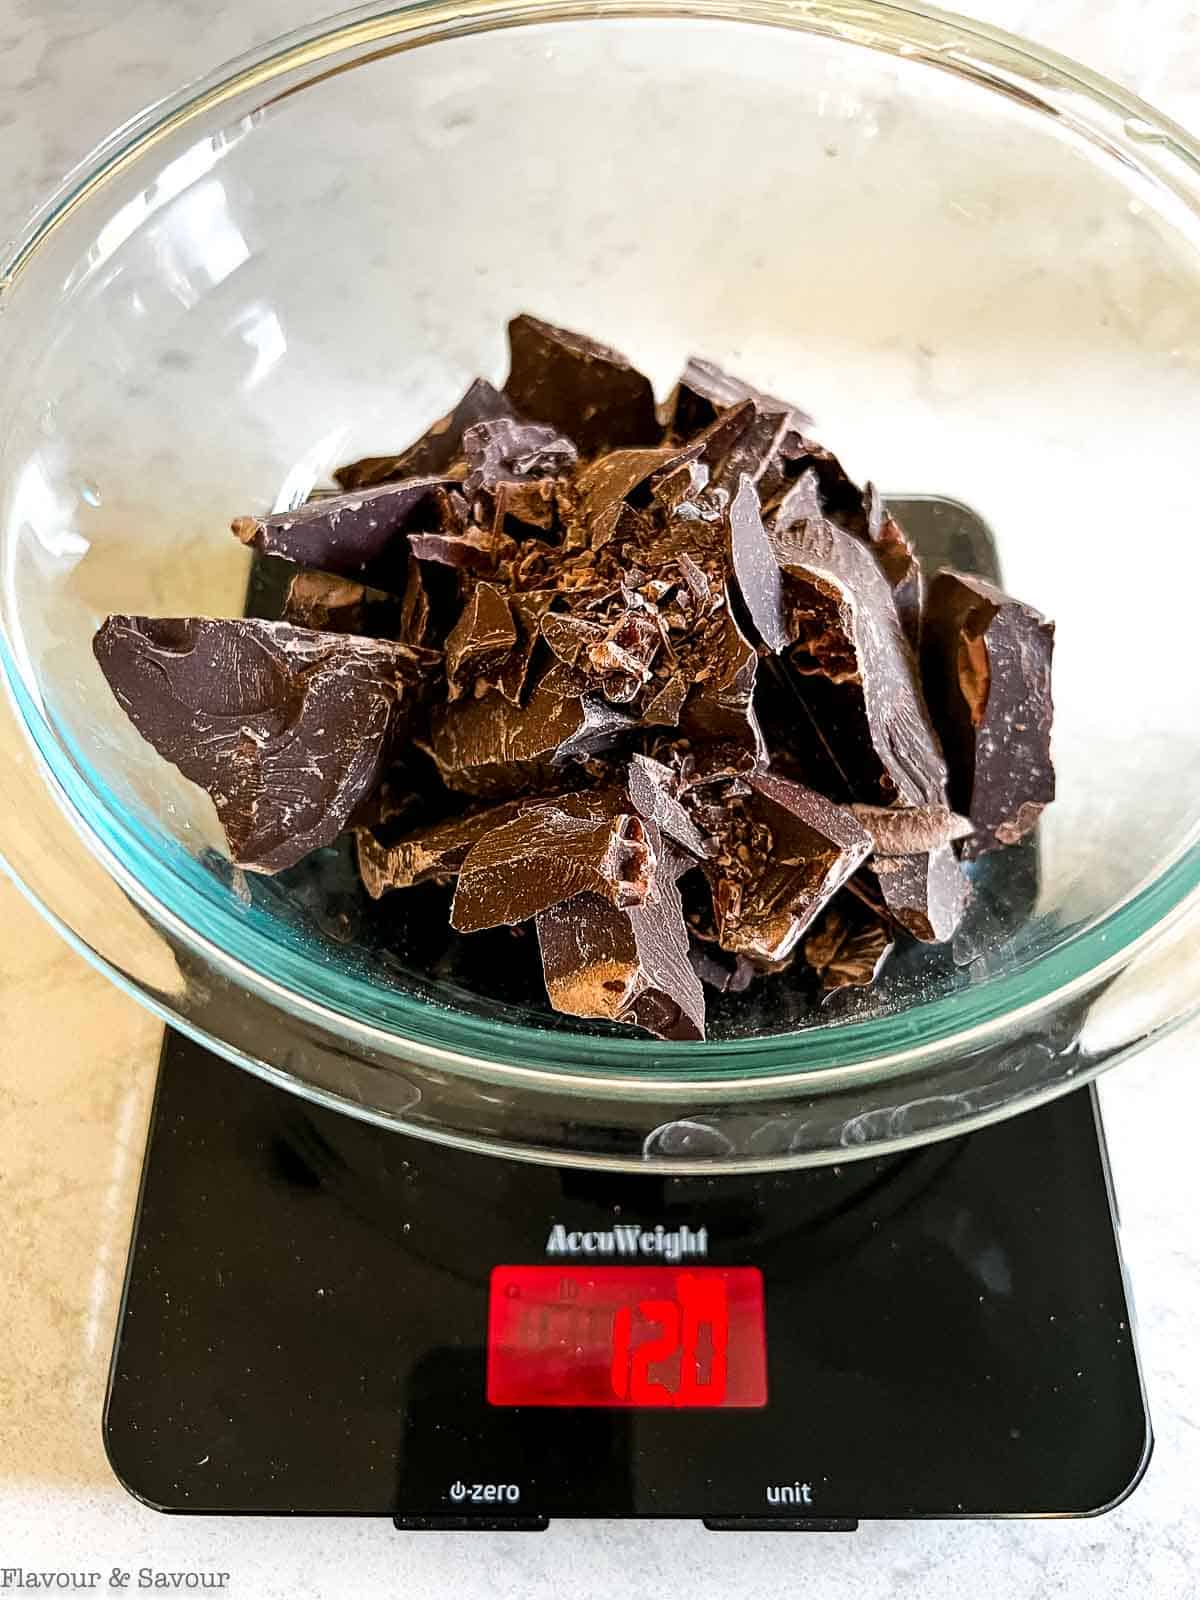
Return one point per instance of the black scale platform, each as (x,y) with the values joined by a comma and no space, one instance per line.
(305,1316)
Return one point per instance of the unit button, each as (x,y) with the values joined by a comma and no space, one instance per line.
(790,1494)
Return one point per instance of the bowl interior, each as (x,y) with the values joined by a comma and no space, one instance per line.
(976,297)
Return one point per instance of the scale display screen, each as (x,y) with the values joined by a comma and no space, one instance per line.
(659,1336)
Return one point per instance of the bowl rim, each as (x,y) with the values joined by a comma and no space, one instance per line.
(806,1059)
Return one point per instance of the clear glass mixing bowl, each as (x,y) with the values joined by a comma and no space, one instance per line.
(977,265)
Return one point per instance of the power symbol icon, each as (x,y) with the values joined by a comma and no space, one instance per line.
(458,1491)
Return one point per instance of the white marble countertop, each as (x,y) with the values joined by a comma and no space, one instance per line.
(77,1066)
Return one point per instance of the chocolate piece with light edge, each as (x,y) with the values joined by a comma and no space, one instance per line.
(480,640)
(286,729)
(506,451)
(433,853)
(624,964)
(925,893)
(580,387)
(358,535)
(986,659)
(780,857)
(492,747)
(547,854)
(855,667)
(339,605)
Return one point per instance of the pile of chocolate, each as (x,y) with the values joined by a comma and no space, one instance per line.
(663,683)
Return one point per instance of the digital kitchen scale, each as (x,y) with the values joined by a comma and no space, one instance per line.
(324,1317)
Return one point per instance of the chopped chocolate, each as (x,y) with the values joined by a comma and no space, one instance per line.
(721,705)
(986,659)
(652,790)
(432,853)
(908,830)
(480,640)
(759,579)
(358,535)
(855,668)
(848,947)
(436,450)
(509,452)
(780,858)
(475,551)
(582,388)
(624,964)
(926,894)
(648,682)
(901,565)
(545,855)
(339,605)
(287,729)
(492,747)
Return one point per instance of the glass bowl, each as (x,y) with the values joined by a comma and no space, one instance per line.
(976,264)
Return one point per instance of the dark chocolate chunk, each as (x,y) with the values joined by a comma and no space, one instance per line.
(433,853)
(926,894)
(474,551)
(437,449)
(759,580)
(721,705)
(901,565)
(612,478)
(545,855)
(626,964)
(652,789)
(582,388)
(339,605)
(986,660)
(358,535)
(909,830)
(480,640)
(855,668)
(848,947)
(705,389)
(492,747)
(780,859)
(287,729)
(510,452)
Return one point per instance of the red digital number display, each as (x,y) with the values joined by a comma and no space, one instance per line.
(626,1336)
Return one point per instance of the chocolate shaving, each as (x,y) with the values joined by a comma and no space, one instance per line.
(848,947)
(286,729)
(909,830)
